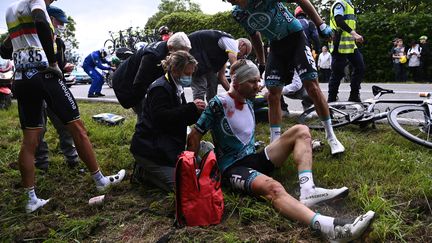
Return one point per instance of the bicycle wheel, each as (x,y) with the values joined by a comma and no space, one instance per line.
(412,122)
(110,46)
(341,114)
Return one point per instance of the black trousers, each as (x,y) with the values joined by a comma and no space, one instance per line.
(339,61)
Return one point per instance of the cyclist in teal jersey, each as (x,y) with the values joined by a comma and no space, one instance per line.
(288,51)
(230,119)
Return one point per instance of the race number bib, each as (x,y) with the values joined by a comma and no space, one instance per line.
(30,58)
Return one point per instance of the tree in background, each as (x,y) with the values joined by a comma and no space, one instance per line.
(167,7)
(70,41)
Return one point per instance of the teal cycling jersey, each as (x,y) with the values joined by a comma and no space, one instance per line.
(232,129)
(271,18)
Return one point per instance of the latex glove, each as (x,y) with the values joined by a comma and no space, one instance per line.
(325,31)
(54,68)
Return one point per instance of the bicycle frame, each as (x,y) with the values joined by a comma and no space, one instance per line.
(370,116)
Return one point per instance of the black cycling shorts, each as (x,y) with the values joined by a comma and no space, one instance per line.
(241,174)
(286,55)
(31,92)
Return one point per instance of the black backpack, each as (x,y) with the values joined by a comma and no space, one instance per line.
(123,78)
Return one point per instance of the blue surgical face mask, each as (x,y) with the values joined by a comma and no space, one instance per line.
(185,81)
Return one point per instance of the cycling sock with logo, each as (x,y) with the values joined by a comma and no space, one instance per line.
(275,132)
(31,194)
(100,179)
(328,128)
(322,223)
(306,183)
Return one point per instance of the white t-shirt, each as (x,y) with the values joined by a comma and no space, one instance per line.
(324,60)
(28,52)
(414,56)
(229,45)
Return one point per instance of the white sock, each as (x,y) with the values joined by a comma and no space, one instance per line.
(328,128)
(323,223)
(100,179)
(275,132)
(31,194)
(306,183)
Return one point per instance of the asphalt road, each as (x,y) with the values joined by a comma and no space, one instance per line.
(402,91)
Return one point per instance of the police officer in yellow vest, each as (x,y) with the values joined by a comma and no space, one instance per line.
(344,48)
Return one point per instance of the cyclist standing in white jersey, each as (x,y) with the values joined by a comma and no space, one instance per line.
(288,51)
(38,79)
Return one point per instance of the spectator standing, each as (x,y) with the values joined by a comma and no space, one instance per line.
(425,57)
(399,60)
(324,65)
(413,55)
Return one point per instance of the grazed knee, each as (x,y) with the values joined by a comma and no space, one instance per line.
(274,190)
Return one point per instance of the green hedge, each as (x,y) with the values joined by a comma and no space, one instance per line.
(189,22)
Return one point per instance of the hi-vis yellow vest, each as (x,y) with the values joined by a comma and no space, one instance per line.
(347,43)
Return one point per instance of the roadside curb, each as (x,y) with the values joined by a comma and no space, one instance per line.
(95,100)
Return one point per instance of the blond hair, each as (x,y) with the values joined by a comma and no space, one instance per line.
(178,61)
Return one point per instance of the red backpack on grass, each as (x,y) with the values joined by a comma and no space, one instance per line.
(199,198)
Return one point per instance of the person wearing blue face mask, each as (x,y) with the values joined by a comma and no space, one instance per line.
(160,136)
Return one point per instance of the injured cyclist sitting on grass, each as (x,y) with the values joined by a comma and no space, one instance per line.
(230,118)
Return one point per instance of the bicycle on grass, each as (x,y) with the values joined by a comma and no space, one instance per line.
(413,120)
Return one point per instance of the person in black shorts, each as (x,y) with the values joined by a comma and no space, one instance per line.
(38,80)
(288,51)
(230,119)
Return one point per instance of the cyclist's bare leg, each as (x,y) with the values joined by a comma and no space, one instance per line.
(322,108)
(26,156)
(315,93)
(288,206)
(296,140)
(275,112)
(83,145)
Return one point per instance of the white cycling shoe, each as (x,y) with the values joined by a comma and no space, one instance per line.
(346,232)
(322,195)
(35,205)
(336,147)
(113,179)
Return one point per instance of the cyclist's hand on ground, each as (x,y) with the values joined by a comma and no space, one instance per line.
(325,31)
(358,38)
(54,68)
(200,104)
